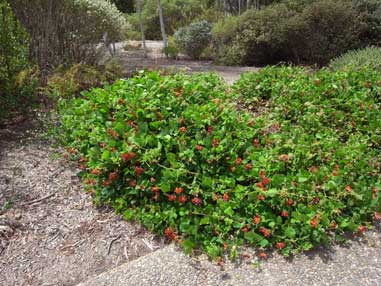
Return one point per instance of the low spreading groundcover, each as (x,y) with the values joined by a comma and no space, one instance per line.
(174,153)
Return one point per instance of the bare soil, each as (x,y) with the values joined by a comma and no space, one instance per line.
(50,233)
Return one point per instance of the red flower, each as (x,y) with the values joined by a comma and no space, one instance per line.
(199,148)
(260,185)
(262,174)
(215,197)
(196,201)
(333,225)
(256,143)
(265,181)
(183,129)
(257,219)
(226,245)
(178,190)
(314,222)
(280,245)
(264,231)
(377,216)
(103,145)
(170,234)
(132,184)
(290,202)
(284,214)
(182,199)
(210,129)
(172,198)
(107,183)
(95,172)
(128,156)
(361,229)
(112,176)
(348,189)
(225,197)
(121,101)
(261,197)
(248,166)
(313,169)
(155,189)
(82,166)
(83,159)
(138,171)
(284,158)
(215,143)
(112,133)
(262,255)
(245,229)
(90,182)
(238,161)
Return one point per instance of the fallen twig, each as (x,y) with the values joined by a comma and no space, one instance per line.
(111,243)
(38,200)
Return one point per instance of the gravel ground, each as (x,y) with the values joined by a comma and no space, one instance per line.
(133,60)
(50,233)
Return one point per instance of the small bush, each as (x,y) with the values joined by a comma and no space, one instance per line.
(171,51)
(67,83)
(192,40)
(173,153)
(370,56)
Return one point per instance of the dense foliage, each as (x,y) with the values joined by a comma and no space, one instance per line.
(370,57)
(13,58)
(193,39)
(173,153)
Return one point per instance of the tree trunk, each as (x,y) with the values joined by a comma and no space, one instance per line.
(142,27)
(164,35)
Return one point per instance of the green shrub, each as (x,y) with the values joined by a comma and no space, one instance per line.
(371,12)
(13,58)
(312,33)
(192,40)
(370,56)
(173,153)
(333,27)
(171,50)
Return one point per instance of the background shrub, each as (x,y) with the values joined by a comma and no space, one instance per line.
(370,56)
(13,59)
(74,31)
(370,11)
(312,33)
(192,40)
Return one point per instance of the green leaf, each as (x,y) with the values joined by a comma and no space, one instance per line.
(229,211)
(188,246)
(205,220)
(290,232)
(105,155)
(253,237)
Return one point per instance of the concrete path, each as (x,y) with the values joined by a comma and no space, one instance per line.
(357,264)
